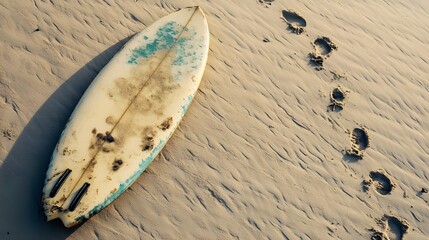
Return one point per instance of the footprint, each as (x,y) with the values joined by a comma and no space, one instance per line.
(381,181)
(360,142)
(397,227)
(338,97)
(316,61)
(323,47)
(360,138)
(394,228)
(295,22)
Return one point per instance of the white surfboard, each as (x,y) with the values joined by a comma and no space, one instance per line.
(126,116)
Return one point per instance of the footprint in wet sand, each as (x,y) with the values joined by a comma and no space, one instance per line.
(381,181)
(393,228)
(295,22)
(360,141)
(323,47)
(338,98)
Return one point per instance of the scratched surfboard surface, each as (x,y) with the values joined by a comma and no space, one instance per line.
(126,116)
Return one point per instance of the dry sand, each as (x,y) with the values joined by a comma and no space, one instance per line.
(257,156)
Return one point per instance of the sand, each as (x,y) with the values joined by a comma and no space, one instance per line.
(261,153)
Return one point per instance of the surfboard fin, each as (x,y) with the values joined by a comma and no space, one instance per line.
(59,183)
(78,197)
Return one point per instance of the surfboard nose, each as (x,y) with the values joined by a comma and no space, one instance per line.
(197,9)
(200,10)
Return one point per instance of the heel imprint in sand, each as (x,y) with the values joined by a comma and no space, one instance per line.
(380,180)
(338,97)
(393,228)
(360,141)
(295,22)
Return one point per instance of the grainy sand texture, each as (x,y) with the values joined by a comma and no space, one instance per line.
(311,121)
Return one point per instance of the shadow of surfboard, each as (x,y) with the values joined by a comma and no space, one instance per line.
(23,172)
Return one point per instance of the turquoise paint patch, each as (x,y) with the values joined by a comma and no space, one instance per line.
(184,53)
(164,39)
(124,186)
(188,54)
(186,105)
(186,48)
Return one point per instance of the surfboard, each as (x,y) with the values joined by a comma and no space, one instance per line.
(126,116)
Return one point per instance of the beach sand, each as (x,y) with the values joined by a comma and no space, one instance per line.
(291,88)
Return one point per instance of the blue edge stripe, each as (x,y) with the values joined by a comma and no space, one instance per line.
(142,166)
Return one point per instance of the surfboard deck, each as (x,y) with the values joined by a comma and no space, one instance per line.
(126,116)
